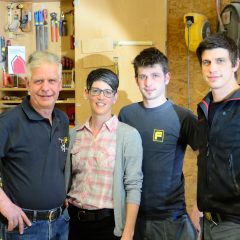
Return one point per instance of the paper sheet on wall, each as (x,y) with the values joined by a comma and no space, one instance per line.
(16,59)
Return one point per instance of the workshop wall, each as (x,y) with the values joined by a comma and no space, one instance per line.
(120,20)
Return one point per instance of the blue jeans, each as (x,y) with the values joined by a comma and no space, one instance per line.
(42,230)
(167,229)
(221,231)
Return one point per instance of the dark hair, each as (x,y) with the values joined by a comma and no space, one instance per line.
(219,40)
(149,57)
(105,75)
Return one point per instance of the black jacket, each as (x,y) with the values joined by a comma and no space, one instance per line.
(219,157)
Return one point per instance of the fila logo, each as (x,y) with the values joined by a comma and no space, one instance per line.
(158,135)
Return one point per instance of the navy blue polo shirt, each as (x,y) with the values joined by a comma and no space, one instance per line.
(33,154)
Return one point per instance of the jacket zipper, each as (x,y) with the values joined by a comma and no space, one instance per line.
(231,167)
(207,164)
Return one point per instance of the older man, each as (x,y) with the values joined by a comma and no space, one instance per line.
(33,148)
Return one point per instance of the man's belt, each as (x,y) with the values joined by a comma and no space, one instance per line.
(47,215)
(216,218)
(162,215)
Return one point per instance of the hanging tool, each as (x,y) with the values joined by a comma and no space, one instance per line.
(72,37)
(9,10)
(45,23)
(54,27)
(13,18)
(41,30)
(116,65)
(36,22)
(2,49)
(20,7)
(4,77)
(8,43)
(63,25)
(53,16)
(25,16)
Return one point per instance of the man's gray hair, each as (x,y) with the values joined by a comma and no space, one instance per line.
(38,58)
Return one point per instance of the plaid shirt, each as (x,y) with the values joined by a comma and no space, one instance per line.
(93,161)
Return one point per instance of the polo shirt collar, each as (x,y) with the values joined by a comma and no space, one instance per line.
(31,113)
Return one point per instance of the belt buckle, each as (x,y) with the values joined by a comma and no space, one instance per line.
(81,213)
(51,215)
(208,216)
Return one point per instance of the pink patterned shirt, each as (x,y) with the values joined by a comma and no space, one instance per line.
(93,161)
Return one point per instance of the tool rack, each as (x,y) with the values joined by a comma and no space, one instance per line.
(37,37)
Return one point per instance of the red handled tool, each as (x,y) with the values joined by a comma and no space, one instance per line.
(54,27)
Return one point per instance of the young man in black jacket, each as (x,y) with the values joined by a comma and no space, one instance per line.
(219,138)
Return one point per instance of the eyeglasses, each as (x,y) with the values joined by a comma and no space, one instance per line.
(106,92)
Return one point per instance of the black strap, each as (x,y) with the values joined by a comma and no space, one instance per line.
(85,215)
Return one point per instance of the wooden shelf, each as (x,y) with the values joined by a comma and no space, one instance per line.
(66,101)
(68,89)
(71,101)
(13,89)
(10,101)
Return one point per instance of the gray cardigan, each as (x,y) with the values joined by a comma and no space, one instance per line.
(127,179)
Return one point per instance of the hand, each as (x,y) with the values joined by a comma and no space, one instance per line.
(195,216)
(131,216)
(13,213)
(66,203)
(125,237)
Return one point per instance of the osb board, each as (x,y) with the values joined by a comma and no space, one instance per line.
(178,87)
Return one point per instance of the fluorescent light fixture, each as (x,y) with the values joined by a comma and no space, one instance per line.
(132,43)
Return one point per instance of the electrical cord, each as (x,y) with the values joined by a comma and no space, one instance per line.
(189,23)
